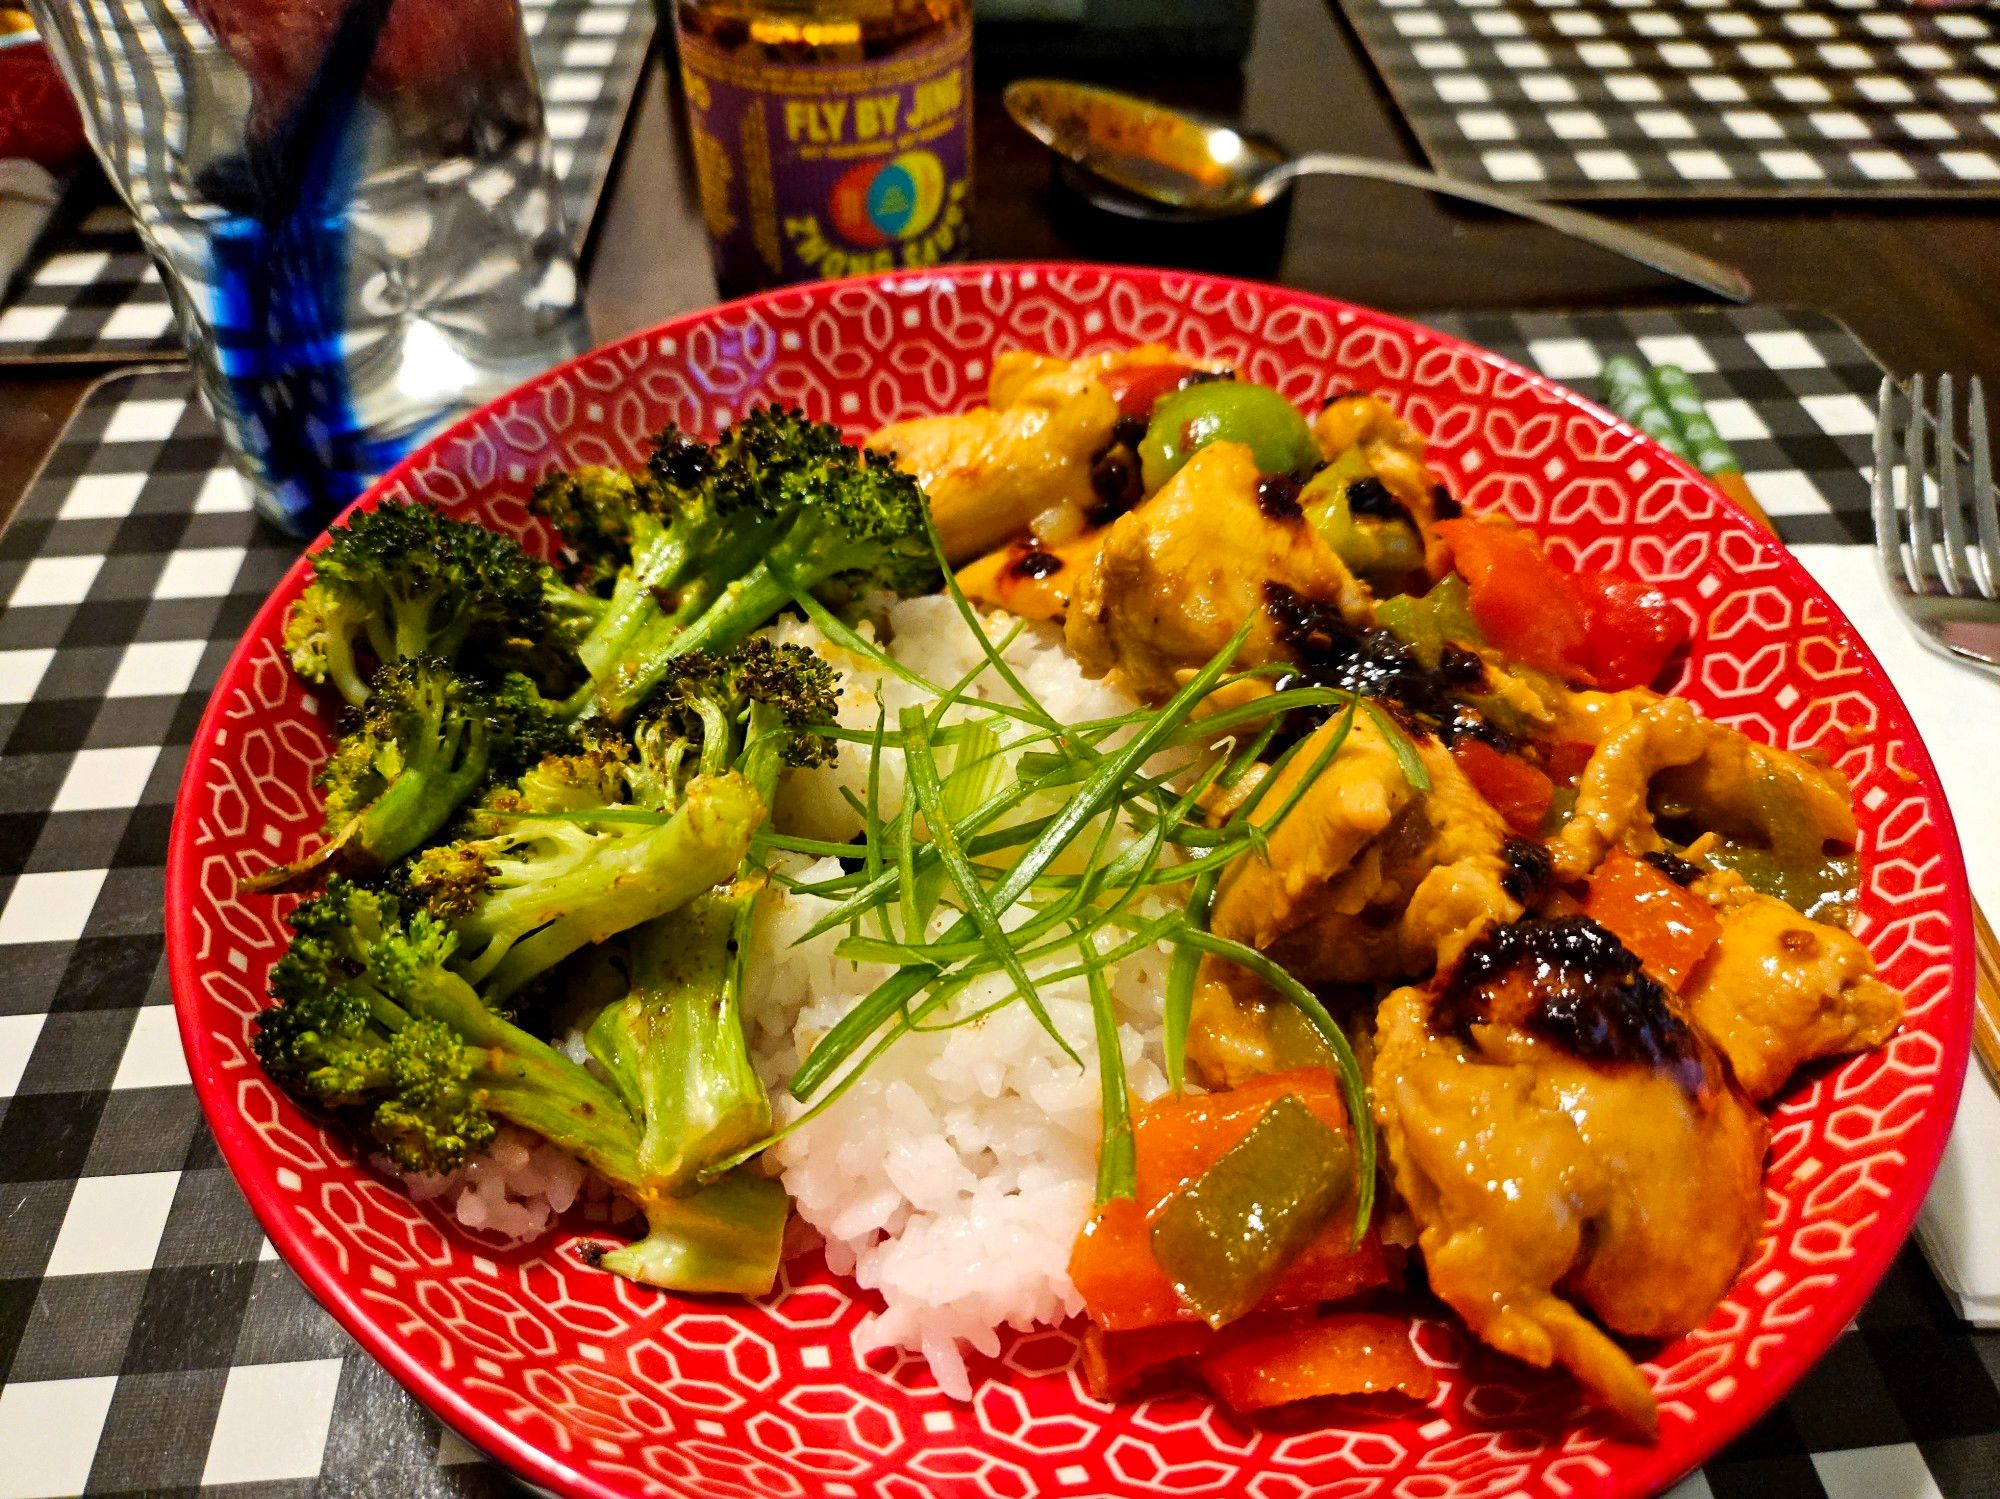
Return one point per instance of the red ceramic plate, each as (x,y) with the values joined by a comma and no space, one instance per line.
(593,1386)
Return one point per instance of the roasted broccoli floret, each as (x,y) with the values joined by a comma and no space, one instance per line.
(406,760)
(716,538)
(401,581)
(752,709)
(373,1023)
(591,509)
(346,1035)
(675,1044)
(584,846)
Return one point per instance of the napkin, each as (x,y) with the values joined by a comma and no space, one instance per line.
(28,196)
(1958,712)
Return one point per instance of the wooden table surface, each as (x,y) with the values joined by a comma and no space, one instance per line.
(1916,281)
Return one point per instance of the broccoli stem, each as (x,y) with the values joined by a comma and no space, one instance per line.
(658,563)
(727,1237)
(423,797)
(736,611)
(656,597)
(344,671)
(528,1082)
(689,1064)
(413,635)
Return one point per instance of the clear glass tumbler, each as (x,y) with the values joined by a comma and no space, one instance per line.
(353,206)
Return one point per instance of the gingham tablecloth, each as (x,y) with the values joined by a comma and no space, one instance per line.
(90,291)
(149,1341)
(1696,98)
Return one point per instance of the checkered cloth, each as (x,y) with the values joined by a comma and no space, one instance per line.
(90,291)
(148,1339)
(1696,98)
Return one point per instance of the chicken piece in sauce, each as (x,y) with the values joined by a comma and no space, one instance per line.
(1367,881)
(1567,1142)
(1022,462)
(1176,577)
(1778,991)
(1667,758)
(1030,579)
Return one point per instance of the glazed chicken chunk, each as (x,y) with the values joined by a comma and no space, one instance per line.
(1567,1142)
(992,472)
(1023,461)
(1668,755)
(1777,991)
(1365,879)
(1176,577)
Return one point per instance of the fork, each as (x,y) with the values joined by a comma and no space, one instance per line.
(1944,575)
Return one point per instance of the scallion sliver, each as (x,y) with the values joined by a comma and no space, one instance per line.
(853,1028)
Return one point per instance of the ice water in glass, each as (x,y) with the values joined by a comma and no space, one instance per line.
(354,209)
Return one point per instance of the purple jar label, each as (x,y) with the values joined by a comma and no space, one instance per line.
(831,169)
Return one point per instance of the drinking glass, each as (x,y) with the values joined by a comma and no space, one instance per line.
(354,209)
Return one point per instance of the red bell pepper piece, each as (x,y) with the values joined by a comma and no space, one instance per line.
(1113,1362)
(1666,928)
(1136,387)
(1521,601)
(1512,787)
(1634,630)
(1342,1353)
(1565,759)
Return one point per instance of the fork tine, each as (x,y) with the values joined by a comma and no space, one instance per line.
(1888,527)
(1953,553)
(1985,499)
(1920,564)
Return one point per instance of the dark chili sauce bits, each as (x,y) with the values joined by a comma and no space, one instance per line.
(1425,700)
(1115,485)
(1115,479)
(1369,496)
(1583,991)
(1278,497)
(1528,868)
(1028,561)
(1674,867)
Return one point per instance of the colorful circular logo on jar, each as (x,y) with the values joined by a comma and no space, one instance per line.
(877,202)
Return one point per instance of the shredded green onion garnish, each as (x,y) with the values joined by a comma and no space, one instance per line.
(1117,1155)
(921,782)
(1092,798)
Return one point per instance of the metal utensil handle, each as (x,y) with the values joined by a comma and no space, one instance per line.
(1647,249)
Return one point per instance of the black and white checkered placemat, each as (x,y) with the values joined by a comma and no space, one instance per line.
(1696,98)
(90,292)
(150,1343)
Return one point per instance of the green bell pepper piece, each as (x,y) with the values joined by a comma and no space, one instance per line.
(1428,624)
(1226,1237)
(1186,421)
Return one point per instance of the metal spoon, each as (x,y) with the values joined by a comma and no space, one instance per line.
(1206,166)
